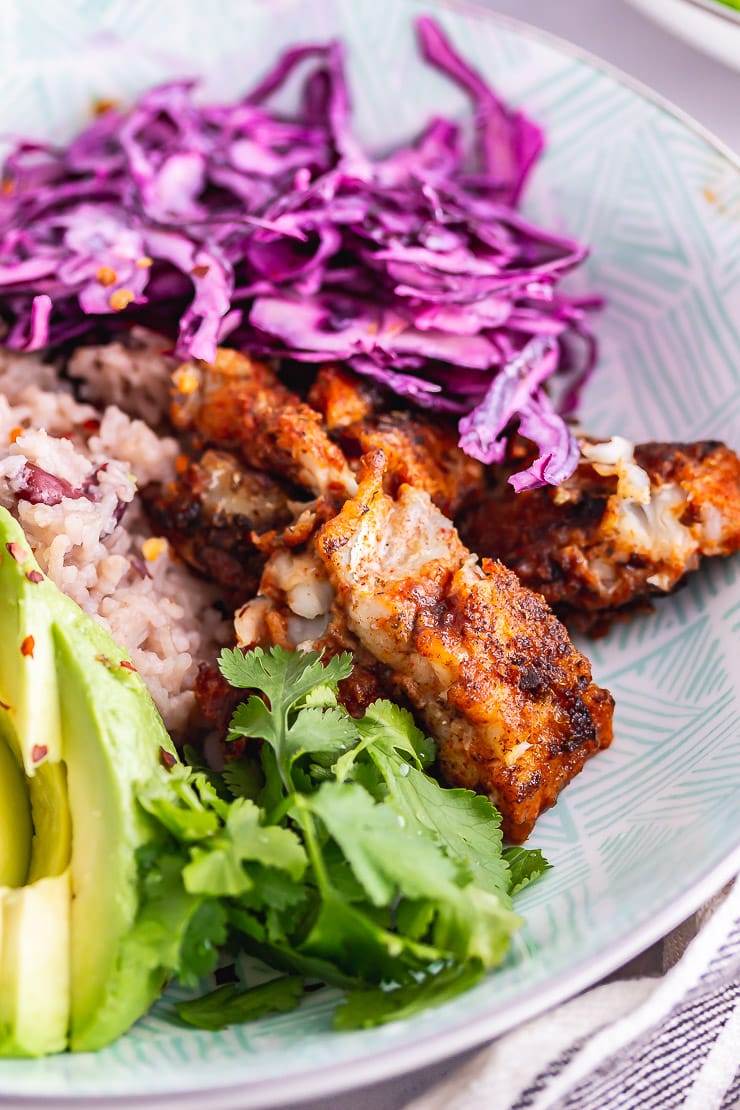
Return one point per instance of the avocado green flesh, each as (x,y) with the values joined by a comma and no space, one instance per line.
(77,964)
(34,815)
(34,940)
(51,847)
(34,967)
(28,684)
(112,738)
(34,970)
(16,828)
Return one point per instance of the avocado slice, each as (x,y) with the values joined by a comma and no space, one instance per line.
(34,949)
(29,697)
(28,688)
(80,721)
(16,828)
(113,741)
(34,967)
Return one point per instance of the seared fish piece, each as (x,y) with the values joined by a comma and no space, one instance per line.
(421,452)
(482,660)
(629,523)
(420,449)
(489,669)
(241,405)
(344,398)
(210,513)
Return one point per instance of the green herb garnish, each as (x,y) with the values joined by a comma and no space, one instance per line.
(335,856)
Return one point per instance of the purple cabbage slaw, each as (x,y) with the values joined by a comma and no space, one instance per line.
(281,235)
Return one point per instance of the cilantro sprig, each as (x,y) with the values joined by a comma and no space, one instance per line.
(330,853)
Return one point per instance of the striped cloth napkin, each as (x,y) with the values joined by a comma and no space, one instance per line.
(651,1043)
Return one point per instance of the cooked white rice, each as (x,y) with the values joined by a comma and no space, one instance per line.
(136,377)
(153,606)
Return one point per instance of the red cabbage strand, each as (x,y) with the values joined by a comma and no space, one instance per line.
(281,234)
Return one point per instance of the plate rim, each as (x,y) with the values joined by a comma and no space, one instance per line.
(329,1080)
(699,24)
(565,46)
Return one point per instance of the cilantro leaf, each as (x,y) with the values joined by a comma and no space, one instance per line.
(394,727)
(269,845)
(205,934)
(478,925)
(354,865)
(293,961)
(319,730)
(255,719)
(216,869)
(385,858)
(391,862)
(397,729)
(177,805)
(228,1004)
(363,1009)
(280,898)
(157,940)
(285,720)
(243,778)
(346,938)
(323,696)
(464,824)
(525,865)
(285,677)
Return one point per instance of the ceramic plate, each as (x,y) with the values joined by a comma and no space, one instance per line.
(651,827)
(707,24)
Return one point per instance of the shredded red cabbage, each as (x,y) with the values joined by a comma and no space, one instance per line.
(281,233)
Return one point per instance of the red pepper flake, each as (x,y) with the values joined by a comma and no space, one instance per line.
(35,576)
(17,552)
(7,186)
(27,646)
(127,666)
(39,752)
(91,425)
(200,271)
(16,433)
(167,759)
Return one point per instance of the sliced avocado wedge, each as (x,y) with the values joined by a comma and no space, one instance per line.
(34,949)
(28,686)
(113,739)
(34,967)
(51,847)
(16,828)
(29,697)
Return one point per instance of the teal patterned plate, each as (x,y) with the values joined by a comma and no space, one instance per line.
(652,826)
